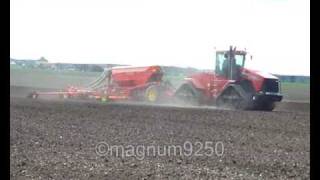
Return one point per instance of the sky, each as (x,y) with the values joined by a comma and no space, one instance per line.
(168,32)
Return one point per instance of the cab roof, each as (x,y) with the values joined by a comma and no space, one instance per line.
(237,51)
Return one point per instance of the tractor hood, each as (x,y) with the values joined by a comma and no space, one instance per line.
(262,74)
(257,77)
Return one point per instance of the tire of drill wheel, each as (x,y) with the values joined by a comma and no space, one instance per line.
(103,99)
(152,94)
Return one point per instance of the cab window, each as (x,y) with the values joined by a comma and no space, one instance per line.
(221,64)
(239,60)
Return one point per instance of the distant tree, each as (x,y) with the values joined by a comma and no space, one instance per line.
(43,60)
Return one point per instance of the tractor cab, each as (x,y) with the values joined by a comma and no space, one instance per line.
(229,63)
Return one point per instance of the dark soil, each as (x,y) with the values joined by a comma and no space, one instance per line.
(58,139)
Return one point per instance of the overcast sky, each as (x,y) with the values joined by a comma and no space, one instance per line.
(165,32)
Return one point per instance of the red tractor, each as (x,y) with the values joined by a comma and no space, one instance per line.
(231,85)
